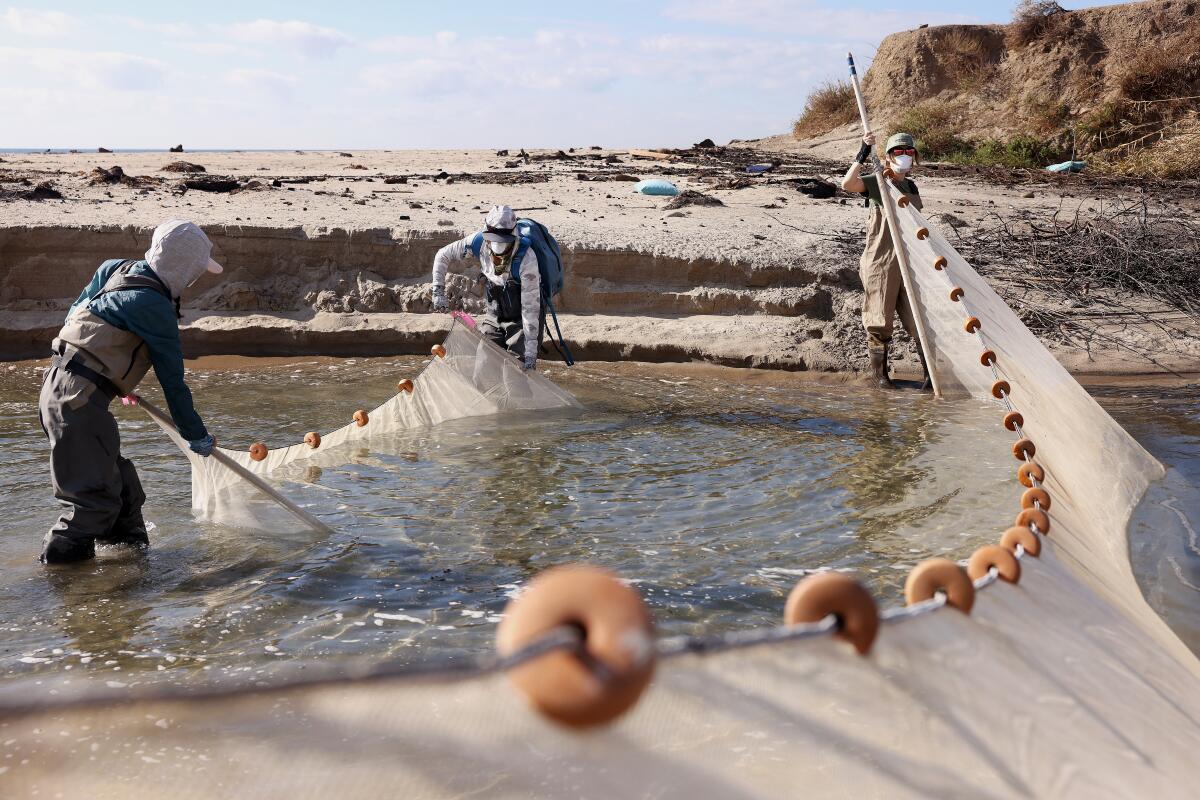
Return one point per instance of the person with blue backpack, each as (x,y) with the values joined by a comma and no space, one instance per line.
(521,265)
(125,322)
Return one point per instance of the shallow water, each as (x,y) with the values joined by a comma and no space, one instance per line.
(712,490)
(1165,529)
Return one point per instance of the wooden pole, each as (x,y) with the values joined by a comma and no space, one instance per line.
(889,213)
(243,473)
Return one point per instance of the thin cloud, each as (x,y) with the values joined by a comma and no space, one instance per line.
(803,18)
(312,41)
(262,81)
(42,24)
(121,72)
(173,30)
(448,65)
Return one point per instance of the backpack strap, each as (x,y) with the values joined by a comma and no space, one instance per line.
(563,350)
(121,280)
(519,256)
(476,245)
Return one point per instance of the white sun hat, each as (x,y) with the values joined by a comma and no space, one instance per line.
(500,222)
(180,253)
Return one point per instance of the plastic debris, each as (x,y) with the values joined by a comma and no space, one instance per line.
(657,186)
(1067,166)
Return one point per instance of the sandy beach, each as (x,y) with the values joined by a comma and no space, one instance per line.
(330,252)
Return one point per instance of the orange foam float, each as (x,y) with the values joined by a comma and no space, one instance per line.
(818,596)
(1034,516)
(361,417)
(1001,388)
(1034,497)
(405,385)
(258,451)
(985,558)
(438,351)
(1023,449)
(1021,536)
(956,294)
(922,233)
(940,263)
(1013,420)
(987,358)
(935,575)
(972,325)
(572,688)
(1029,472)
(312,439)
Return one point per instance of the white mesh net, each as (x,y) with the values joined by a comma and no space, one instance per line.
(474,378)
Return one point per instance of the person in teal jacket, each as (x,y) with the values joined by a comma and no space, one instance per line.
(124,323)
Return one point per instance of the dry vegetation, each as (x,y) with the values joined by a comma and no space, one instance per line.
(1036,20)
(965,57)
(1117,88)
(831,104)
(1125,260)
(1153,127)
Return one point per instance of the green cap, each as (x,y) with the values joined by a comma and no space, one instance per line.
(899,140)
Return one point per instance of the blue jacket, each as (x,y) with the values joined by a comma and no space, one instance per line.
(151,316)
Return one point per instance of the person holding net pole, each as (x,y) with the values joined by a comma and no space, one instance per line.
(125,322)
(879,267)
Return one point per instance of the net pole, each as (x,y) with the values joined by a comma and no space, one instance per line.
(243,473)
(889,213)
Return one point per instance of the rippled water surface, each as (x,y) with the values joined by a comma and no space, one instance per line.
(712,490)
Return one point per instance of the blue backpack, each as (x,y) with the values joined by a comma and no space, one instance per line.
(532,234)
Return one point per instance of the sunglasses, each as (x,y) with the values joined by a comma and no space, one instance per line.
(902,151)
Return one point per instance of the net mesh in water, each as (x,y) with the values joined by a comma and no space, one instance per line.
(471,378)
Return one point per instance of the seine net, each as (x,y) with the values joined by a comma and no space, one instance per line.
(474,378)
(1064,684)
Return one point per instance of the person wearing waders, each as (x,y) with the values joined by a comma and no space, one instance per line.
(125,321)
(513,284)
(879,267)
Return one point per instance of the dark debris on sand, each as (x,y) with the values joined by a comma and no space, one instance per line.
(183,166)
(42,191)
(690,197)
(208,183)
(116,176)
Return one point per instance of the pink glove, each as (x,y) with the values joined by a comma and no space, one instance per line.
(465,319)
(130,400)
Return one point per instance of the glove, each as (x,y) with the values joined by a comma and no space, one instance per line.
(440,303)
(864,153)
(530,362)
(203,447)
(130,400)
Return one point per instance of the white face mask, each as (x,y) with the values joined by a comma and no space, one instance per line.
(903,163)
(499,248)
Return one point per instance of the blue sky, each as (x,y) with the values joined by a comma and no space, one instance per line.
(430,74)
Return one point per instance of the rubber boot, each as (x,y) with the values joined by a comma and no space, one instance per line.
(59,549)
(132,536)
(879,369)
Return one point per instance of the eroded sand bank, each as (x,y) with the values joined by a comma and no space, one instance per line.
(329,253)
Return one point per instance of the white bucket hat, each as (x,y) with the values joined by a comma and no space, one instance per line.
(179,254)
(500,222)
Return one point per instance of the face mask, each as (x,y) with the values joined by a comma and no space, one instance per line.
(499,251)
(903,163)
